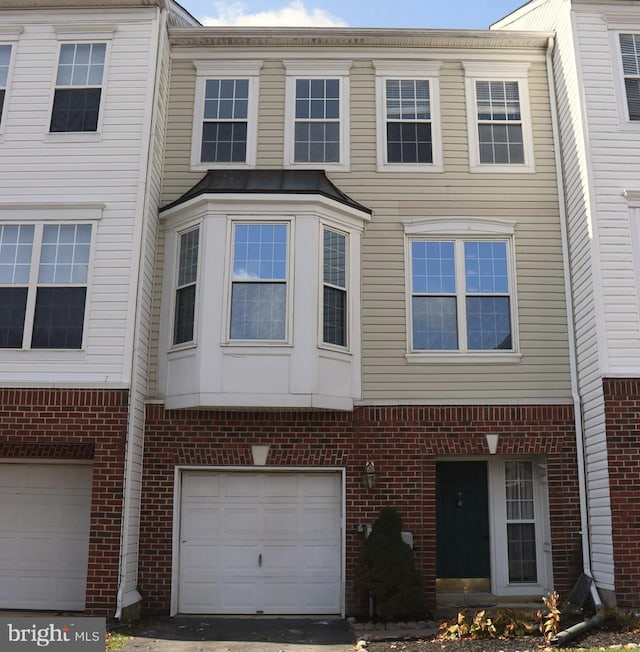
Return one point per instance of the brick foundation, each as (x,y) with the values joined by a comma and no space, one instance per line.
(65,424)
(404,443)
(622,409)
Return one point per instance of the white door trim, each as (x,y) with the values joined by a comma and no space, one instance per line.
(177,499)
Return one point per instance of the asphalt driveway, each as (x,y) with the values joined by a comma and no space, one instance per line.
(254,634)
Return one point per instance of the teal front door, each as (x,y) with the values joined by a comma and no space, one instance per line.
(462,525)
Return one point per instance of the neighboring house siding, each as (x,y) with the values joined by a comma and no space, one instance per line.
(582,72)
(41,170)
(530,200)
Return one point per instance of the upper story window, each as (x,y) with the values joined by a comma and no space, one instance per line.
(258,309)
(185,299)
(5,60)
(317,115)
(630,52)
(408,116)
(43,285)
(334,301)
(225,114)
(461,289)
(499,117)
(78,92)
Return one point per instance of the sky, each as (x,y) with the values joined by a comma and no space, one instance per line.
(447,14)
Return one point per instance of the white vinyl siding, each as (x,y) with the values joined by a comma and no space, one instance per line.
(99,172)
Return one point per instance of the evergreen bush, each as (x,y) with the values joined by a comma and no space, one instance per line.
(387,570)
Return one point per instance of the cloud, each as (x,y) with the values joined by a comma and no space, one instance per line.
(295,14)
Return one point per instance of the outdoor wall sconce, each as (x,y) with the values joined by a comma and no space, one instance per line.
(369,475)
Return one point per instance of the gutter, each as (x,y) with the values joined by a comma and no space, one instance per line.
(574,631)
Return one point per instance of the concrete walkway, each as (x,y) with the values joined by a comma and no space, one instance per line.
(254,634)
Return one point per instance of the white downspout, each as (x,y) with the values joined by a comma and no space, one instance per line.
(124,600)
(575,392)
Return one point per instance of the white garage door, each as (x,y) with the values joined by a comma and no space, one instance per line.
(260,543)
(44,536)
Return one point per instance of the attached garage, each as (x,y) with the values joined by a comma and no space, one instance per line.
(260,543)
(44,540)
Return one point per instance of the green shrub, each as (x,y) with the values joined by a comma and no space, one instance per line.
(386,569)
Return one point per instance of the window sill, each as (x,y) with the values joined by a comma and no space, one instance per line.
(251,346)
(73,137)
(410,167)
(501,169)
(509,357)
(329,167)
(236,165)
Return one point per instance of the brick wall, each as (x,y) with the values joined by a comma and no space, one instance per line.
(404,443)
(65,424)
(622,409)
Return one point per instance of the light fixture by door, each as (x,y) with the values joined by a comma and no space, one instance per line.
(369,475)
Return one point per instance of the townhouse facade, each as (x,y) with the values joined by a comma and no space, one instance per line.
(595,63)
(80,137)
(359,302)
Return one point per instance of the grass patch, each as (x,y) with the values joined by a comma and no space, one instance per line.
(117,636)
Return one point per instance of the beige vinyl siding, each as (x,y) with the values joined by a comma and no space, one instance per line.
(569,66)
(37,168)
(530,200)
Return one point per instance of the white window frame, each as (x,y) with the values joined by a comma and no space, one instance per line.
(232,221)
(325,226)
(615,29)
(8,36)
(33,284)
(414,71)
(67,35)
(502,72)
(177,236)
(225,70)
(328,69)
(460,229)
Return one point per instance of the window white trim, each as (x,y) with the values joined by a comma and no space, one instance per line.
(622,108)
(409,70)
(498,71)
(8,37)
(327,226)
(323,69)
(205,70)
(176,248)
(460,229)
(67,38)
(232,221)
(33,284)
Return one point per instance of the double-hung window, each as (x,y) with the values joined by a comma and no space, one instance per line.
(225,114)
(5,60)
(259,280)
(43,285)
(78,91)
(408,116)
(461,289)
(185,299)
(334,301)
(630,53)
(317,115)
(499,123)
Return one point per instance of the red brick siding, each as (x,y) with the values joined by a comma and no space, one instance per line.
(66,424)
(622,409)
(402,441)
